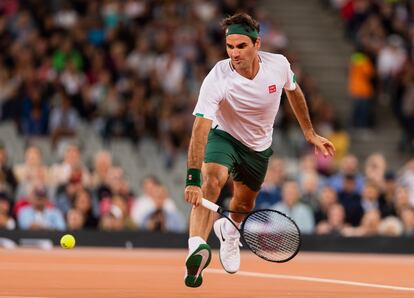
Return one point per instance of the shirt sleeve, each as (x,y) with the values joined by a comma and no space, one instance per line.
(210,96)
(291,79)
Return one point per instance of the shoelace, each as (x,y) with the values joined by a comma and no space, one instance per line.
(232,244)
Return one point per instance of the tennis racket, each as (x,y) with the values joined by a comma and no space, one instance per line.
(268,233)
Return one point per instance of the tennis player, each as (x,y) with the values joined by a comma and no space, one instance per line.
(232,134)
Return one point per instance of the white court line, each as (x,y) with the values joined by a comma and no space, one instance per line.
(21,297)
(315,279)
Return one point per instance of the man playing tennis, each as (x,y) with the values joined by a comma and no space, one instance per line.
(232,134)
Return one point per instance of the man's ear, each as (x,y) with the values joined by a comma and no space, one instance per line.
(258,43)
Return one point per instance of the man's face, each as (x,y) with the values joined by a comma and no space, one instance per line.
(241,50)
(39,201)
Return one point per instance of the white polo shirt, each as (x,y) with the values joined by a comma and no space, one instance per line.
(246,109)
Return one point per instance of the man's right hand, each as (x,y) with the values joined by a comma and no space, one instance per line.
(193,195)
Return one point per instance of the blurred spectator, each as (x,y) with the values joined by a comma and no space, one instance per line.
(164,217)
(32,170)
(391,226)
(118,123)
(60,173)
(375,168)
(391,59)
(402,199)
(9,85)
(351,200)
(177,139)
(8,182)
(6,220)
(387,198)
(369,225)
(407,179)
(292,207)
(170,66)
(35,114)
(75,220)
(328,197)
(38,215)
(141,59)
(115,184)
(355,13)
(407,216)
(370,196)
(87,204)
(66,193)
(117,218)
(310,190)
(371,35)
(335,222)
(66,17)
(361,90)
(64,120)
(102,165)
(65,54)
(403,107)
(155,211)
(270,193)
(348,166)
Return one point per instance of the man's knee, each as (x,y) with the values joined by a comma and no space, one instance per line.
(212,185)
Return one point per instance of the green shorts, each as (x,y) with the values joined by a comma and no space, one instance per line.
(244,164)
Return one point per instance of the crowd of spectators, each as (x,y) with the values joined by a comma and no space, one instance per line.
(381,70)
(354,200)
(129,69)
(68,195)
(132,69)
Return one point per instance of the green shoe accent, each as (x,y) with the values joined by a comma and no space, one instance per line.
(195,265)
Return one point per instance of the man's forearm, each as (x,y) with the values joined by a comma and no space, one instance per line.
(198,143)
(300,109)
(196,152)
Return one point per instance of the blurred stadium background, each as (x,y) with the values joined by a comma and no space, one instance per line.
(96,105)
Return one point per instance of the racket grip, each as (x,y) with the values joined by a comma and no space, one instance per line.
(209,205)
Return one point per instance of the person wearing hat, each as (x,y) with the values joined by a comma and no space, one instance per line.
(40,214)
(232,134)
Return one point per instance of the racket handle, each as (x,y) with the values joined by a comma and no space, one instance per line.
(209,205)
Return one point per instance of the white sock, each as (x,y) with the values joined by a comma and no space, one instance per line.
(230,229)
(194,242)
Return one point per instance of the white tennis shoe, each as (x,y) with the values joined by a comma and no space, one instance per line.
(229,247)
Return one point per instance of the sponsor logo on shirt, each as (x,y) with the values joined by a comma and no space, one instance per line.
(272,89)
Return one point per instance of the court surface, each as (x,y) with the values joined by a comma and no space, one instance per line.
(98,272)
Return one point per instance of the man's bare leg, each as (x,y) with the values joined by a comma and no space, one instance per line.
(201,220)
(199,256)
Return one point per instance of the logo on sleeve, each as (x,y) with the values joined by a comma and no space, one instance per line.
(272,89)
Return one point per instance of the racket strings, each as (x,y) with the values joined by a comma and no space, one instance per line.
(271,235)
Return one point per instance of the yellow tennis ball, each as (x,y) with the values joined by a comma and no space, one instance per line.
(67,241)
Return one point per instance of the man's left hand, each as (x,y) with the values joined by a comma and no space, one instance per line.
(322,145)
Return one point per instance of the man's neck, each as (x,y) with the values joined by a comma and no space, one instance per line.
(250,72)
